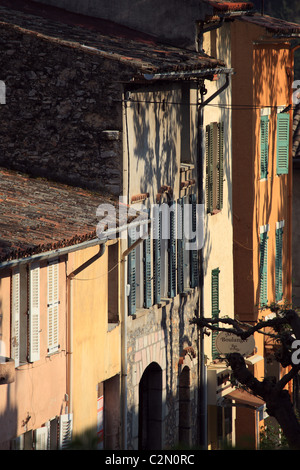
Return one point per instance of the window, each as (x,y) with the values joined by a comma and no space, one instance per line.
(263,266)
(187,259)
(283,125)
(34,312)
(25,314)
(264,146)
(278,261)
(215,306)
(214,166)
(53,305)
(113,282)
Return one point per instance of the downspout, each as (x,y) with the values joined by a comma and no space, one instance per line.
(70,278)
(290,174)
(202,387)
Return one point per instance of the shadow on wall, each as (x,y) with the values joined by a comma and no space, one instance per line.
(271,202)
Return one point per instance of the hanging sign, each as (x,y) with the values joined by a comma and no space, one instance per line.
(227,343)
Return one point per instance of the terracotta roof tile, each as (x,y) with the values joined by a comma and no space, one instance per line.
(37,215)
(225,6)
(273,25)
(142,52)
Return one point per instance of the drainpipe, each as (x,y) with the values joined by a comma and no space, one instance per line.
(290,174)
(201,360)
(70,278)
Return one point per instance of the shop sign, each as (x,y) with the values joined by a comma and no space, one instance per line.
(227,343)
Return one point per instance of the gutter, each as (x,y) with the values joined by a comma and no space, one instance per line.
(109,234)
(187,74)
(202,387)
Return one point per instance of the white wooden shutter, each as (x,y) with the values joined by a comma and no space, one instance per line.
(65,430)
(15,318)
(41,438)
(53,304)
(34,313)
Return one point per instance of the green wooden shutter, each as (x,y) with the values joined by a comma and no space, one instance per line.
(193,253)
(220,165)
(264,146)
(283,125)
(263,268)
(157,254)
(180,246)
(132,273)
(278,265)
(172,253)
(209,167)
(147,273)
(215,306)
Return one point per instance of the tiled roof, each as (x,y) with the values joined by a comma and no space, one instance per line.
(225,6)
(38,216)
(140,51)
(273,25)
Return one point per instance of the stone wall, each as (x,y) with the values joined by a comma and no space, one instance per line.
(60,103)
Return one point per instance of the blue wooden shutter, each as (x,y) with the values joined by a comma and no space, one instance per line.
(215,306)
(172,252)
(209,167)
(147,273)
(193,253)
(157,254)
(264,146)
(278,265)
(220,170)
(180,246)
(263,268)
(283,125)
(132,273)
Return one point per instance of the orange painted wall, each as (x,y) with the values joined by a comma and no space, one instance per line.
(261,68)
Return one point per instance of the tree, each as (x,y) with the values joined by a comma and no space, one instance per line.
(284,328)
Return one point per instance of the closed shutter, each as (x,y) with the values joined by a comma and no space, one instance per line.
(172,252)
(132,273)
(180,246)
(215,307)
(157,253)
(209,167)
(53,306)
(264,146)
(278,265)
(220,165)
(41,438)
(263,268)
(15,318)
(147,273)
(65,431)
(193,253)
(34,313)
(283,125)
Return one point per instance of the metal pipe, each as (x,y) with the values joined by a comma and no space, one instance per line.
(187,74)
(202,372)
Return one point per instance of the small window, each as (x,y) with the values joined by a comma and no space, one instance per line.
(283,125)
(113,283)
(215,306)
(263,267)
(264,146)
(278,261)
(214,166)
